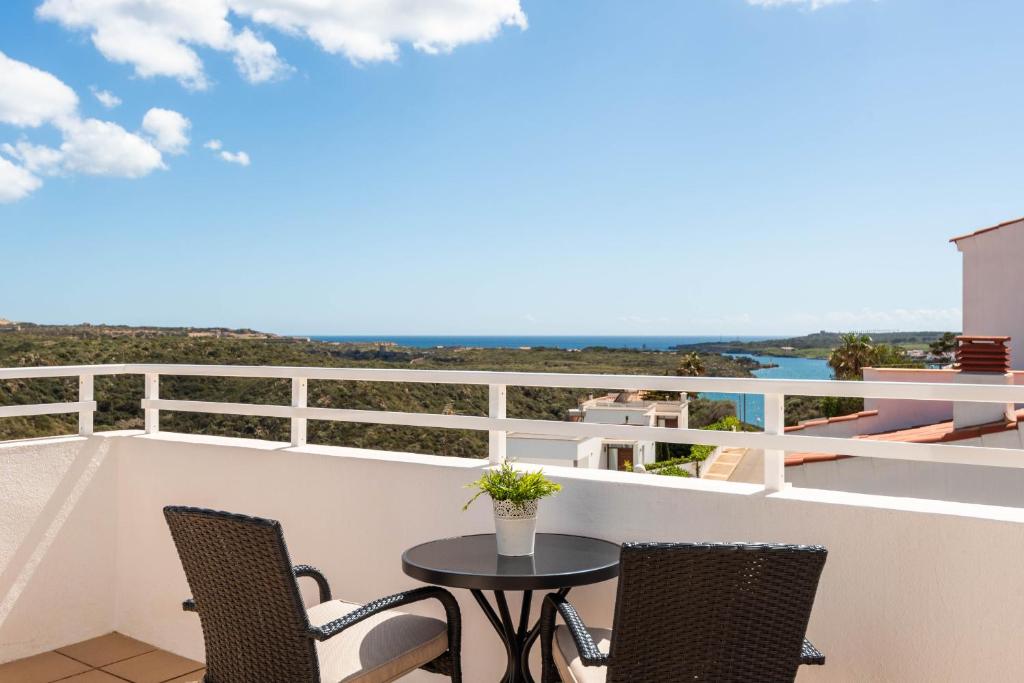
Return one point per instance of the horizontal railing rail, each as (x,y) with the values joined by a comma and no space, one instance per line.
(772,440)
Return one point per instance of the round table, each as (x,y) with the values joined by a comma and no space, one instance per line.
(559,562)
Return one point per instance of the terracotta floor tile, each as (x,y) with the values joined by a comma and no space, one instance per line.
(42,668)
(153,667)
(195,677)
(94,676)
(107,649)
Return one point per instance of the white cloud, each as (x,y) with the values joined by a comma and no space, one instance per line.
(35,158)
(99,147)
(809,4)
(213,144)
(16,182)
(240,158)
(159,37)
(257,59)
(106,98)
(168,130)
(31,96)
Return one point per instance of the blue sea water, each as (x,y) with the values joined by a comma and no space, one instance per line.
(750,407)
(654,343)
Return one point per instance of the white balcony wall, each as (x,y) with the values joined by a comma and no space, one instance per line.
(58,531)
(913,590)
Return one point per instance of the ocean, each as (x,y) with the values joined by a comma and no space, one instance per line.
(750,407)
(654,343)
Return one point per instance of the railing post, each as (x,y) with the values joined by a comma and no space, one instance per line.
(152,384)
(774,460)
(300,390)
(85,393)
(496,438)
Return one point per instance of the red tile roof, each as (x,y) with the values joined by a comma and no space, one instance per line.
(830,420)
(940,432)
(988,229)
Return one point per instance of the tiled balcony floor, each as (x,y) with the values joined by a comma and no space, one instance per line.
(112,658)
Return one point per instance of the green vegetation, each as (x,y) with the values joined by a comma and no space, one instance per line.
(118,397)
(507,483)
(817,345)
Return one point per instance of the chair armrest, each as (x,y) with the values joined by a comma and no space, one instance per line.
(315,574)
(447,600)
(810,654)
(189,605)
(590,655)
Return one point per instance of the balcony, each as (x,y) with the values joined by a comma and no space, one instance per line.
(915,589)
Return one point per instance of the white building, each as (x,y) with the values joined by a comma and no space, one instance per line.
(619,408)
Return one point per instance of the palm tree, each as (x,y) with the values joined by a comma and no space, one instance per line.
(853,353)
(690,366)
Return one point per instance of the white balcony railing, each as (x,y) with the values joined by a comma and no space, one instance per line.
(772,440)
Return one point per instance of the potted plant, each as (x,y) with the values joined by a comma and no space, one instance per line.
(515,495)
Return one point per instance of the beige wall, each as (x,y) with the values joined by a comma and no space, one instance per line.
(913,590)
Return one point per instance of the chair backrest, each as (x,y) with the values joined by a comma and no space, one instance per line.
(245,592)
(712,612)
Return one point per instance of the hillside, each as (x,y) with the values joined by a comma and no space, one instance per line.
(817,345)
(27,345)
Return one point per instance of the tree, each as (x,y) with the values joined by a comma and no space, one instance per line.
(890,356)
(853,353)
(691,365)
(944,345)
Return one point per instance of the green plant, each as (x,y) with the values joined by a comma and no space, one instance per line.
(673,471)
(507,483)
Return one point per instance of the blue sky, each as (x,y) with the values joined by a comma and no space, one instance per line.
(571,167)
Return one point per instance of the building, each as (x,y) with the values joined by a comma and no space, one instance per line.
(630,407)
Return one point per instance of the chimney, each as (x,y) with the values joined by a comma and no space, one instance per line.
(982,360)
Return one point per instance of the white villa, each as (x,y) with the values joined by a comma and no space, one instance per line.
(620,408)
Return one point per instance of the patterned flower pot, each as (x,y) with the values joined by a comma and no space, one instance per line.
(515,525)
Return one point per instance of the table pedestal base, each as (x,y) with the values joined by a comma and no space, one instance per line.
(517,639)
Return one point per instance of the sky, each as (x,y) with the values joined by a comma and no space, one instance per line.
(503,166)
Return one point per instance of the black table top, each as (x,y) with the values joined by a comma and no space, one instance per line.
(559,561)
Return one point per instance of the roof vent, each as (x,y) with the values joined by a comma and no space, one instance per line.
(983,354)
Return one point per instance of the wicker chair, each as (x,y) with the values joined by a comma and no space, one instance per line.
(257,630)
(693,612)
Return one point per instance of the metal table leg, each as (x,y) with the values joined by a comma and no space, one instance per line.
(517,639)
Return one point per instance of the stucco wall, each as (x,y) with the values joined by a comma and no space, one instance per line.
(902,413)
(992,282)
(913,590)
(58,512)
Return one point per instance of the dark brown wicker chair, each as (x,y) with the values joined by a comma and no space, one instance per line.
(693,612)
(257,630)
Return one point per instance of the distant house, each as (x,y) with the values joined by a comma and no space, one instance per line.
(622,408)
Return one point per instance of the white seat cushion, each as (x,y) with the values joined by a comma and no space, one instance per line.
(381,648)
(567,657)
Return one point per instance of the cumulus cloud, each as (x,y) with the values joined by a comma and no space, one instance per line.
(168,130)
(159,37)
(106,98)
(809,4)
(213,144)
(240,158)
(15,182)
(99,147)
(30,97)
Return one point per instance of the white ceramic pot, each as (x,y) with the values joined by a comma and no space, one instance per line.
(515,526)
